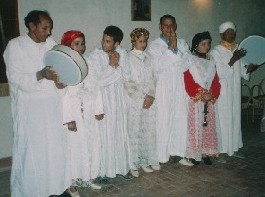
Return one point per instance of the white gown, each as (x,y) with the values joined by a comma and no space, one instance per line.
(170,95)
(38,160)
(81,103)
(113,128)
(141,122)
(229,102)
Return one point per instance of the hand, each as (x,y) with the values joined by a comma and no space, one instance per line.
(114,58)
(49,74)
(252,67)
(99,117)
(206,97)
(148,101)
(172,40)
(237,55)
(59,85)
(72,126)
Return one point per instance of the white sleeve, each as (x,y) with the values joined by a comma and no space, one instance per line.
(244,69)
(105,74)
(17,70)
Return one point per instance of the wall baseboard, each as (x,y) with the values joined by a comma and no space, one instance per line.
(4,89)
(5,164)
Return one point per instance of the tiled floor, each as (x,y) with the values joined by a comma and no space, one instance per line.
(236,178)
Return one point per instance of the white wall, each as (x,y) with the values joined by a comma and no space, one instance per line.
(193,16)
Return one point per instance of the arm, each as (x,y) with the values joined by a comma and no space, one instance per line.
(24,67)
(215,87)
(162,57)
(223,69)
(104,73)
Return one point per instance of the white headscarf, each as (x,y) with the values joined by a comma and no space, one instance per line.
(225,26)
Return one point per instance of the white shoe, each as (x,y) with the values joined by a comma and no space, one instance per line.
(186,162)
(134,173)
(147,169)
(73,194)
(156,167)
(95,186)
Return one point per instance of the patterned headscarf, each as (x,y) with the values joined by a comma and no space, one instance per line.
(137,33)
(198,38)
(69,36)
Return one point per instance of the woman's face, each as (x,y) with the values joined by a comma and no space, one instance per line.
(140,43)
(204,46)
(79,45)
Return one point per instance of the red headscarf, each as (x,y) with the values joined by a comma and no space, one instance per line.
(69,36)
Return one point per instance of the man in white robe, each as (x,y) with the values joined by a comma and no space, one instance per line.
(167,53)
(230,69)
(38,160)
(110,63)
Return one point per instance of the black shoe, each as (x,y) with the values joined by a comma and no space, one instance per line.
(195,162)
(207,161)
(175,159)
(65,194)
(127,177)
(103,180)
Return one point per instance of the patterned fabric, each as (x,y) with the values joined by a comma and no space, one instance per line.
(202,138)
(141,122)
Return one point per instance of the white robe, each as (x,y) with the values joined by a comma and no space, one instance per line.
(141,122)
(229,102)
(81,103)
(170,95)
(113,128)
(38,162)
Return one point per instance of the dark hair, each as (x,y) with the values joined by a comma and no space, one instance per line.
(114,32)
(34,17)
(198,38)
(166,17)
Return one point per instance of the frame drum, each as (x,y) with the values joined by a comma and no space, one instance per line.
(255,46)
(69,64)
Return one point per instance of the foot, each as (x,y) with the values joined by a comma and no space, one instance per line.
(127,177)
(156,167)
(239,155)
(95,186)
(103,180)
(73,192)
(195,162)
(220,159)
(147,169)
(134,173)
(185,162)
(207,161)
(65,194)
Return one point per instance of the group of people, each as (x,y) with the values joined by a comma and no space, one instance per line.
(133,110)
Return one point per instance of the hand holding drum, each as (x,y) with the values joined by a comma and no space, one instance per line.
(69,65)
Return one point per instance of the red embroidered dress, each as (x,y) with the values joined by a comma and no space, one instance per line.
(200,78)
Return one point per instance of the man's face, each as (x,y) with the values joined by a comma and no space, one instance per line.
(40,32)
(229,35)
(108,44)
(167,27)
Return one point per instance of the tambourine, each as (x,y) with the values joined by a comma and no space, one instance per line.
(255,46)
(68,63)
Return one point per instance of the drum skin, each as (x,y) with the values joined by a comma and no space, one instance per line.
(255,46)
(69,64)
